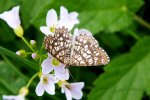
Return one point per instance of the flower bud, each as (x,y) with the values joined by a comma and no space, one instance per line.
(24,91)
(35,56)
(22,53)
(33,43)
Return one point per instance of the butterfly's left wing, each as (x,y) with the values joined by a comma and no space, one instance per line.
(86,52)
(59,44)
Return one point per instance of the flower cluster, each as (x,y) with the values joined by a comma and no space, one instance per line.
(52,71)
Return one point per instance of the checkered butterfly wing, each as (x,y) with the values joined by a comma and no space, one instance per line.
(86,51)
(59,44)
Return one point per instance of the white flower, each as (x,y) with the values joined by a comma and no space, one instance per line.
(47,83)
(12,17)
(50,64)
(72,90)
(11,97)
(68,20)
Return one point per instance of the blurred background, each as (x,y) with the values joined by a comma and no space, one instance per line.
(122,28)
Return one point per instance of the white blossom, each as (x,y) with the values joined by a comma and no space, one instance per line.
(50,64)
(12,17)
(47,83)
(68,20)
(72,90)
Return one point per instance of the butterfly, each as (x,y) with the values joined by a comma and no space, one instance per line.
(80,49)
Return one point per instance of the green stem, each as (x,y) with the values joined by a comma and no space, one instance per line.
(31,79)
(25,41)
(141,21)
(133,34)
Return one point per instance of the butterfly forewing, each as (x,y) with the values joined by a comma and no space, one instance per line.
(86,52)
(59,45)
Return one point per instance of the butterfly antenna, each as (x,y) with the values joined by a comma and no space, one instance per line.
(72,76)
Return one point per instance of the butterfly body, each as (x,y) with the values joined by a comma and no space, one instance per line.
(77,50)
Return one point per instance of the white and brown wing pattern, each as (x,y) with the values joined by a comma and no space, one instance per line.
(59,45)
(86,52)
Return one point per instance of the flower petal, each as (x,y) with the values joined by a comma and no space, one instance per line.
(39,89)
(68,94)
(63,89)
(20,97)
(73,15)
(5,97)
(50,87)
(77,86)
(75,34)
(76,94)
(12,17)
(85,31)
(51,18)
(46,66)
(52,78)
(61,73)
(45,30)
(65,23)
(63,12)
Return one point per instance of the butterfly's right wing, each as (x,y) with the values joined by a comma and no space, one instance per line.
(86,51)
(59,44)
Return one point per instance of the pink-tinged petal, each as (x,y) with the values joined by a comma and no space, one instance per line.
(77,86)
(39,89)
(84,31)
(46,30)
(52,78)
(51,18)
(20,97)
(63,12)
(9,97)
(75,34)
(68,94)
(76,94)
(49,88)
(46,66)
(50,56)
(12,17)
(66,24)
(63,89)
(73,15)
(61,73)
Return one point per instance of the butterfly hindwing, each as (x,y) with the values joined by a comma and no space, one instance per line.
(86,52)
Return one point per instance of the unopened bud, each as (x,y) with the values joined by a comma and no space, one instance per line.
(24,91)
(35,56)
(22,53)
(33,43)
(19,31)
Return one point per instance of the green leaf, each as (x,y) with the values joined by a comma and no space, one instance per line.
(10,79)
(7,4)
(14,56)
(100,15)
(126,77)
(31,9)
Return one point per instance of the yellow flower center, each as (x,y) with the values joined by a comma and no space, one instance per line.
(61,82)
(45,80)
(55,62)
(52,29)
